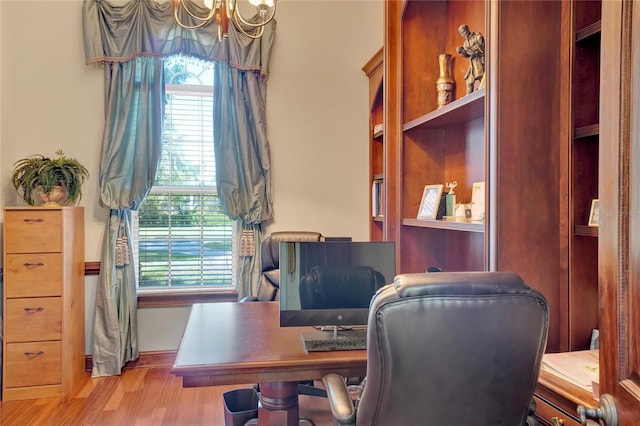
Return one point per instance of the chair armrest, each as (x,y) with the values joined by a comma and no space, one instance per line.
(342,407)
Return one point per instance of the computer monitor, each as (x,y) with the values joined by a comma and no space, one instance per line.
(332,283)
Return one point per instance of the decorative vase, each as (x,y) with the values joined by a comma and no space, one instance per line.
(56,197)
(445,84)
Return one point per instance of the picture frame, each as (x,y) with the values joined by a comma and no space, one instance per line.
(594,213)
(430,203)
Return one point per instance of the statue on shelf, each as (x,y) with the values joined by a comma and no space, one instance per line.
(473,49)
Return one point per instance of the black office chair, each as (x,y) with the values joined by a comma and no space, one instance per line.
(448,349)
(269,284)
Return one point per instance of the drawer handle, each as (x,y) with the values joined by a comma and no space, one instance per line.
(556,421)
(32,310)
(33,265)
(27,220)
(33,354)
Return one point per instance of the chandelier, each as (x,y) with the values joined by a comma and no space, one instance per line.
(224,11)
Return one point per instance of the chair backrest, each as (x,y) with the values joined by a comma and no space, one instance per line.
(269,285)
(339,287)
(453,349)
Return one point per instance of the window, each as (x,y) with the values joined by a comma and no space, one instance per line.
(184,240)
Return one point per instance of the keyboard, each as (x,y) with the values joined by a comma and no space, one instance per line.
(345,340)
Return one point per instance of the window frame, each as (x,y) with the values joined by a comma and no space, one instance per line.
(178,296)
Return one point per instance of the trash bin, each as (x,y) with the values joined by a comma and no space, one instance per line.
(240,406)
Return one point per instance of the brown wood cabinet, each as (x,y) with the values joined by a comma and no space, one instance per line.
(585,31)
(619,189)
(43,345)
(554,129)
(374,69)
(508,135)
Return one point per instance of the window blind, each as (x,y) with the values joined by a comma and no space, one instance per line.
(184,238)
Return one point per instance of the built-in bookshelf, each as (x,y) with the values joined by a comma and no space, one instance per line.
(374,70)
(548,132)
(510,135)
(585,32)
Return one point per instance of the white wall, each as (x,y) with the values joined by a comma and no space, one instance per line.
(316,108)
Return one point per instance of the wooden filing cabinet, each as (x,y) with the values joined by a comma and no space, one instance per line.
(43,297)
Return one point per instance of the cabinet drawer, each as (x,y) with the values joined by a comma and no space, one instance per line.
(33,364)
(551,415)
(33,231)
(33,275)
(33,319)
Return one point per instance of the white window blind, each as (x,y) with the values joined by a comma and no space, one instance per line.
(185,241)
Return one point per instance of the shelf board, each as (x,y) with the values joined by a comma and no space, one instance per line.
(588,31)
(586,131)
(445,224)
(378,176)
(378,134)
(586,231)
(461,110)
(378,218)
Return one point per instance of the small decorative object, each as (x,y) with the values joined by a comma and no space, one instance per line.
(445,83)
(451,199)
(430,203)
(594,214)
(40,174)
(477,202)
(473,49)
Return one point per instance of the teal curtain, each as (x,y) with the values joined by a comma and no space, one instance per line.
(241,94)
(129,160)
(129,40)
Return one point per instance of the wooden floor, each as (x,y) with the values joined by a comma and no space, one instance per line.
(140,396)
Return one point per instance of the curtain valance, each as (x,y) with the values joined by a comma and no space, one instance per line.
(117,32)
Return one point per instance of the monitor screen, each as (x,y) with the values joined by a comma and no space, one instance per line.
(332,283)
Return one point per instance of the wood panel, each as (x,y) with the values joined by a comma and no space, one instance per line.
(528,228)
(619,237)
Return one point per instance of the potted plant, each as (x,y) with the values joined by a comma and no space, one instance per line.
(39,174)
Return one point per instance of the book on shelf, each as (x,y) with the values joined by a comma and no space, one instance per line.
(581,368)
(377,197)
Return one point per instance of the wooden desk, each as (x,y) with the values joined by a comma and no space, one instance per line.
(238,343)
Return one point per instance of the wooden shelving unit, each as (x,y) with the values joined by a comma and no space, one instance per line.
(374,69)
(537,138)
(584,156)
(502,135)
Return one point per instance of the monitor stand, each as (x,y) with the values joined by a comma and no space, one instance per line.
(335,340)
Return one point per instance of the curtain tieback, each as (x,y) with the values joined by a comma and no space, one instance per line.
(247,243)
(122,248)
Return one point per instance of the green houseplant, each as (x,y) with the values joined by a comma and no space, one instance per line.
(38,173)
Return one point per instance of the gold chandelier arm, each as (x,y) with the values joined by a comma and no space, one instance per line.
(238,25)
(237,18)
(203,21)
(232,14)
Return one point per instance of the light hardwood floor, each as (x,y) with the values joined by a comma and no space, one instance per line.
(140,396)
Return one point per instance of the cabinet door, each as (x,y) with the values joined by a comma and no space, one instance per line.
(619,237)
